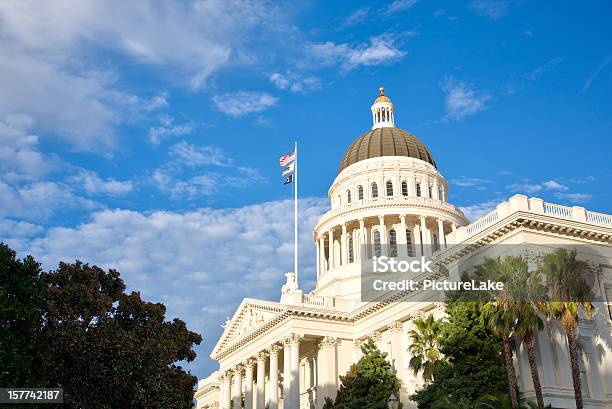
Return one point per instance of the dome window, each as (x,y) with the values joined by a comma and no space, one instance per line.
(360,192)
(409,250)
(374,190)
(389,188)
(404,189)
(376,243)
(350,249)
(392,243)
(418,189)
(348,196)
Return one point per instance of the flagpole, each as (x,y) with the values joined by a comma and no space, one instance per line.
(295,215)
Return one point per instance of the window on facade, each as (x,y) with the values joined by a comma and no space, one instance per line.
(429,191)
(404,189)
(376,240)
(374,190)
(349,244)
(418,189)
(582,365)
(339,200)
(348,196)
(440,195)
(392,243)
(409,250)
(436,245)
(360,192)
(389,188)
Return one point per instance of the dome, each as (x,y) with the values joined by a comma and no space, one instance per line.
(387,141)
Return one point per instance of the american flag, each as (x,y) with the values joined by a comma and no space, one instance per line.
(287,159)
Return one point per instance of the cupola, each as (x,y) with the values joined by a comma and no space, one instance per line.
(382,111)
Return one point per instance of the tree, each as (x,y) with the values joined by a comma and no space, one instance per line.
(569,292)
(368,384)
(424,346)
(21,290)
(473,364)
(498,316)
(110,349)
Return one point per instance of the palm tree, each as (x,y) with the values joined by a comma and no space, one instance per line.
(569,292)
(499,317)
(523,293)
(424,347)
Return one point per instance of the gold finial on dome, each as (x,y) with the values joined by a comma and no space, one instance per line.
(382,97)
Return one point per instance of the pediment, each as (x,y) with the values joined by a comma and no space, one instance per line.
(250,315)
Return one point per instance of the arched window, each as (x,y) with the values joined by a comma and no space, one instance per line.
(409,250)
(392,243)
(436,245)
(339,200)
(429,191)
(349,244)
(374,190)
(376,242)
(360,192)
(389,188)
(418,189)
(404,189)
(348,196)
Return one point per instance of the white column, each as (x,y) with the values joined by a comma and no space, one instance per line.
(273,390)
(261,380)
(383,235)
(286,373)
(411,185)
(318,258)
(441,237)
(321,254)
(426,237)
(227,391)
(295,370)
(397,351)
(362,240)
(328,371)
(417,240)
(443,194)
(331,249)
(343,248)
(424,187)
(401,238)
(248,388)
(237,390)
(435,192)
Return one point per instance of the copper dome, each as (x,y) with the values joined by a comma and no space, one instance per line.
(387,141)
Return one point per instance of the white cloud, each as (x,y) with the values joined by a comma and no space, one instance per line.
(200,263)
(462,100)
(295,83)
(39,200)
(574,197)
(493,9)
(379,50)
(464,181)
(475,211)
(587,84)
(158,101)
(527,187)
(20,157)
(194,156)
(400,5)
(356,17)
(167,128)
(241,103)
(95,185)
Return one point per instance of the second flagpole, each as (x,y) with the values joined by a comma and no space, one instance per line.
(295,215)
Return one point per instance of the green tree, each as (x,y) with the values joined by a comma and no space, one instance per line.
(473,364)
(21,290)
(424,347)
(109,349)
(368,384)
(498,316)
(569,292)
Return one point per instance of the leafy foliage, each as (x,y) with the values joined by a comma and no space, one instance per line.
(474,364)
(104,347)
(368,384)
(424,346)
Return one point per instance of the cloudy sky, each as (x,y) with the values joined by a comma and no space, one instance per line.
(145,135)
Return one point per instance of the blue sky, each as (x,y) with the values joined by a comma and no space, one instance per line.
(145,136)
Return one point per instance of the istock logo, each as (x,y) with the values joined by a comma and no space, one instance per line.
(386,264)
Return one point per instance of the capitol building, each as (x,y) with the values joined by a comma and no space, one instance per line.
(390,198)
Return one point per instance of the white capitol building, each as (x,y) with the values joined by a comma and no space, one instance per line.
(389,198)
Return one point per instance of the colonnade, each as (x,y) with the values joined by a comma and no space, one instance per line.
(283,383)
(376,237)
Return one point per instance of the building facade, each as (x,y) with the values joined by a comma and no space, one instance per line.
(390,199)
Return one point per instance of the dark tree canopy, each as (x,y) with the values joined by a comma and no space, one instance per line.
(104,347)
